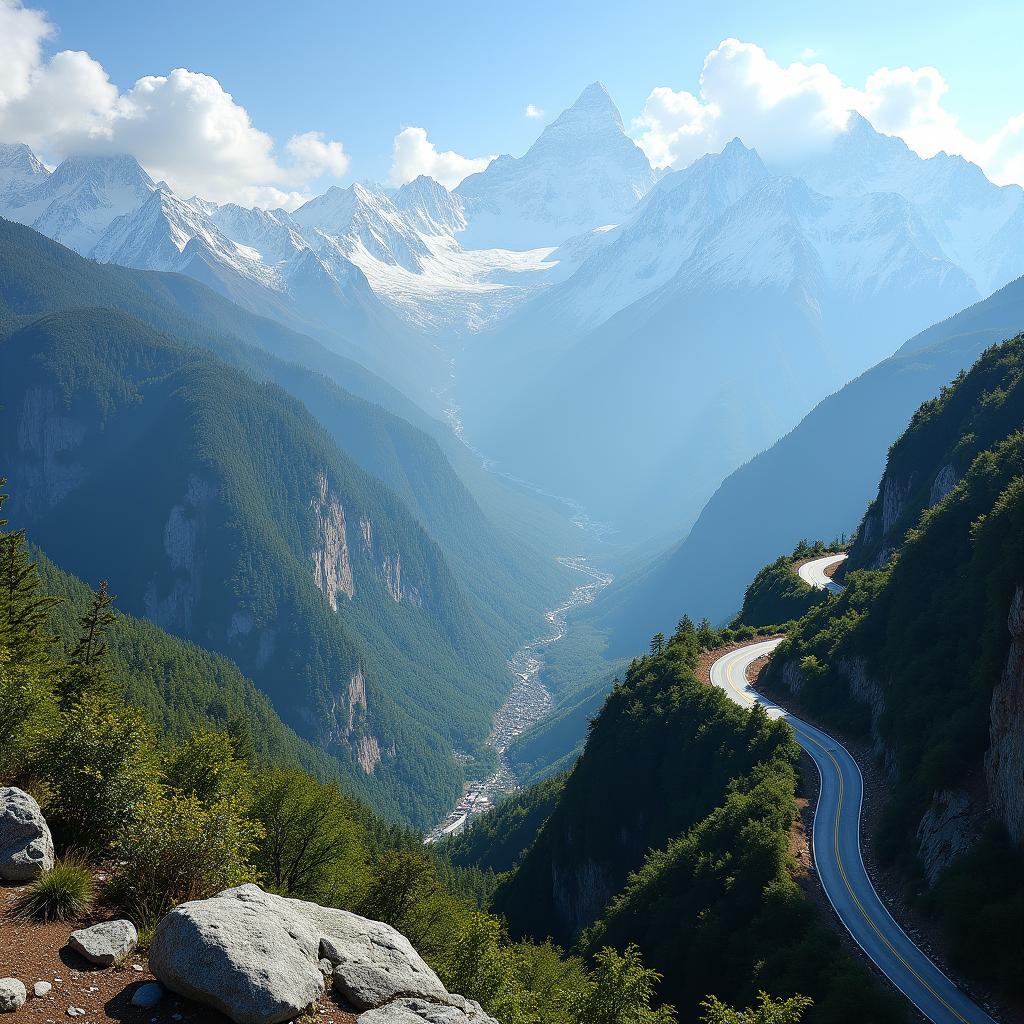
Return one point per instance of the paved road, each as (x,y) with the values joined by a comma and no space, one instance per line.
(814,573)
(837,856)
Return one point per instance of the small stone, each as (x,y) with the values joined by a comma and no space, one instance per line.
(138,967)
(41,989)
(12,995)
(326,968)
(76,1011)
(148,995)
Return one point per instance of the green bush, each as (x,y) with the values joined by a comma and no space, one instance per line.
(99,767)
(767,1011)
(180,848)
(620,991)
(65,892)
(26,713)
(313,845)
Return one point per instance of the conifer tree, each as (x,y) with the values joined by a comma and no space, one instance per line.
(88,669)
(24,608)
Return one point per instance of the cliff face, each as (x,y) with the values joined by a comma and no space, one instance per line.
(1004,762)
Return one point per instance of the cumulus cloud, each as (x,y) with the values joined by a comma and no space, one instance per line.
(533,112)
(183,127)
(788,112)
(414,154)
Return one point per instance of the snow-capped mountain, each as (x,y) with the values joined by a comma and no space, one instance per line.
(725,307)
(969,216)
(583,172)
(75,204)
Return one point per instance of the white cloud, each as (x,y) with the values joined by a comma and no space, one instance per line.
(414,154)
(318,155)
(533,112)
(787,112)
(183,127)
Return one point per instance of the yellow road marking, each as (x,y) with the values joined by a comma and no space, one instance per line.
(745,693)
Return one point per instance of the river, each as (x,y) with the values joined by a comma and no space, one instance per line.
(528,702)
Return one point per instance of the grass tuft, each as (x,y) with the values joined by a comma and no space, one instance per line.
(65,892)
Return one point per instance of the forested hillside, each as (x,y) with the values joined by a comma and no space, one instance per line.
(369,421)
(160,762)
(673,830)
(921,654)
(221,510)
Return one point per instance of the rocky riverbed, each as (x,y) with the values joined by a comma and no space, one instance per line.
(527,703)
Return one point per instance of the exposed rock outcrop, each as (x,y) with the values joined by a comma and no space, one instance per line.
(1004,762)
(259,959)
(945,480)
(170,605)
(948,829)
(105,944)
(26,846)
(332,567)
(580,895)
(419,1011)
(47,434)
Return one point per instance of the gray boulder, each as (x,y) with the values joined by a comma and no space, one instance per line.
(421,1011)
(12,995)
(105,944)
(26,846)
(374,964)
(258,958)
(242,953)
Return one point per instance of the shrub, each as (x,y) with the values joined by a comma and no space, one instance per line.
(205,766)
(65,892)
(178,848)
(767,1011)
(620,991)
(99,766)
(313,847)
(26,711)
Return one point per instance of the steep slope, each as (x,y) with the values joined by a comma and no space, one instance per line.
(785,295)
(181,687)
(814,482)
(222,511)
(924,657)
(674,827)
(583,171)
(511,582)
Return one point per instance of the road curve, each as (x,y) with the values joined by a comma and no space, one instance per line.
(837,856)
(813,572)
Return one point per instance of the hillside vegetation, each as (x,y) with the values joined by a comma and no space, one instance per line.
(117,729)
(921,656)
(673,831)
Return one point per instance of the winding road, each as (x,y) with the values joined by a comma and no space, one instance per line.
(836,840)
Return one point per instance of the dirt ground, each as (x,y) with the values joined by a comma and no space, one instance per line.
(38,952)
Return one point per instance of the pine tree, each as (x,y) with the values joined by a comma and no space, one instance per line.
(88,669)
(657,643)
(24,608)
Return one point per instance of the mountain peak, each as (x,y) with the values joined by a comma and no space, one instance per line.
(594,107)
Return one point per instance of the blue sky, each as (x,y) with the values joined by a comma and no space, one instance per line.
(464,72)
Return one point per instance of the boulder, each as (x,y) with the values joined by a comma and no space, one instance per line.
(258,958)
(105,944)
(421,1011)
(242,953)
(374,964)
(12,995)
(26,846)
